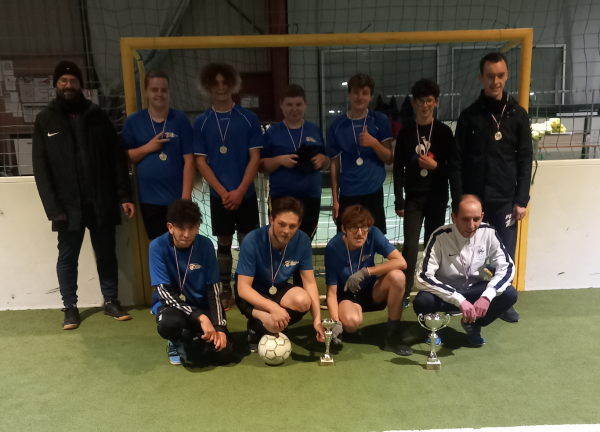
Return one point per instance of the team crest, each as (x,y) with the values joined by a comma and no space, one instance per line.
(195,267)
(365,257)
(170,135)
(290,263)
(480,251)
(310,139)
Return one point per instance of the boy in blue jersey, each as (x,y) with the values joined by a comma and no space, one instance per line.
(227,143)
(359,144)
(356,285)
(293,155)
(158,141)
(268,258)
(184,274)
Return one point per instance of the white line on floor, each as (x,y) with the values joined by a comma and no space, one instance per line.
(544,428)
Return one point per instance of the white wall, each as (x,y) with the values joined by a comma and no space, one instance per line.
(563,245)
(28,254)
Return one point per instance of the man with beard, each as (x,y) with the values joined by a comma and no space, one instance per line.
(82,178)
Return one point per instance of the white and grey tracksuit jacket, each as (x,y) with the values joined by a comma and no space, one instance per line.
(442,273)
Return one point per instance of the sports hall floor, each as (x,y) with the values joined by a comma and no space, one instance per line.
(115,376)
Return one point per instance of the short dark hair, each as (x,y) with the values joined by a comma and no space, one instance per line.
(209,73)
(456,203)
(285,205)
(155,74)
(292,91)
(360,81)
(356,216)
(425,87)
(494,57)
(183,212)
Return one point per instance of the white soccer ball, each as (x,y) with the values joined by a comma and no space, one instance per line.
(274,350)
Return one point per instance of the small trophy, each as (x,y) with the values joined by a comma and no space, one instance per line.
(433,322)
(328,324)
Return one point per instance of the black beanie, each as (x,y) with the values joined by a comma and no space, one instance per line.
(66,67)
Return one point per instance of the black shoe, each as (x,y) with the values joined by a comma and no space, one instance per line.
(227,299)
(510,316)
(72,320)
(253,338)
(396,345)
(113,309)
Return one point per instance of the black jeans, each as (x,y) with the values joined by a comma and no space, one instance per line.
(432,208)
(495,214)
(426,302)
(69,247)
(155,219)
(175,325)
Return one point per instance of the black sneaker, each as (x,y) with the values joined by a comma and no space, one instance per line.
(227,299)
(113,309)
(396,345)
(71,320)
(510,316)
(253,338)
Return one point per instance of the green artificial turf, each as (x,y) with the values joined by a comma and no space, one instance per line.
(115,376)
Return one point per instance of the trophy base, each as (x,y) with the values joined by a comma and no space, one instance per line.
(326,361)
(433,365)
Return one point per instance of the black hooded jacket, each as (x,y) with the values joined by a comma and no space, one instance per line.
(77,160)
(497,171)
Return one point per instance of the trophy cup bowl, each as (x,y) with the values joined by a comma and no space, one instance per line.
(328,324)
(433,322)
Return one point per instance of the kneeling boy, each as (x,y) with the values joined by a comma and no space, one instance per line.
(185,276)
(268,258)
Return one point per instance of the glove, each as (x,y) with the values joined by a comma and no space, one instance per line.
(353,281)
(337,329)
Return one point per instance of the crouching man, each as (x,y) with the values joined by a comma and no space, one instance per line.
(185,276)
(268,258)
(451,276)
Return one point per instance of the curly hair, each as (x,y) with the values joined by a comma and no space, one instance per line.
(184,213)
(208,75)
(357,216)
(425,87)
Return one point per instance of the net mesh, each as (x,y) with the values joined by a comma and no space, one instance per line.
(565,75)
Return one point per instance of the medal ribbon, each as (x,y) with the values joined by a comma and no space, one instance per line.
(282,257)
(497,122)
(301,132)
(354,132)
(186,269)
(164,126)
(359,258)
(427,147)
(219,124)
(465,269)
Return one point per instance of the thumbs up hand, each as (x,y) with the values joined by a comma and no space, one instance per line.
(366,140)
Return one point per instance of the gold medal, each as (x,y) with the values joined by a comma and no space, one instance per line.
(423,172)
(223,149)
(359,161)
(272,290)
(498,136)
(162,156)
(182,297)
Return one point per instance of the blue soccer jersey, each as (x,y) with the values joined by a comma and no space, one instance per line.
(201,271)
(344,138)
(160,182)
(241,131)
(295,181)
(255,259)
(337,265)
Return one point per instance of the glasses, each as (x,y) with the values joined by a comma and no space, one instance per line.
(428,102)
(354,230)
(65,81)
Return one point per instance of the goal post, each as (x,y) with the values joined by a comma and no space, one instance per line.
(511,38)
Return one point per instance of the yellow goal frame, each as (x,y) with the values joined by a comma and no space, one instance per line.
(129,47)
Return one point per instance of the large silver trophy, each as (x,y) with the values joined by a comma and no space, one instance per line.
(433,322)
(328,324)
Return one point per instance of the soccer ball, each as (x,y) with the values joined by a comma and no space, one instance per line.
(274,350)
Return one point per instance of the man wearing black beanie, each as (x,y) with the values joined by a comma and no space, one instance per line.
(82,177)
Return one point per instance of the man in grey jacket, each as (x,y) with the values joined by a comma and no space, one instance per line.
(451,276)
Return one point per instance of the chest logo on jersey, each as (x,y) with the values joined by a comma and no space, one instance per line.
(195,267)
(480,251)
(170,135)
(310,139)
(365,257)
(290,263)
